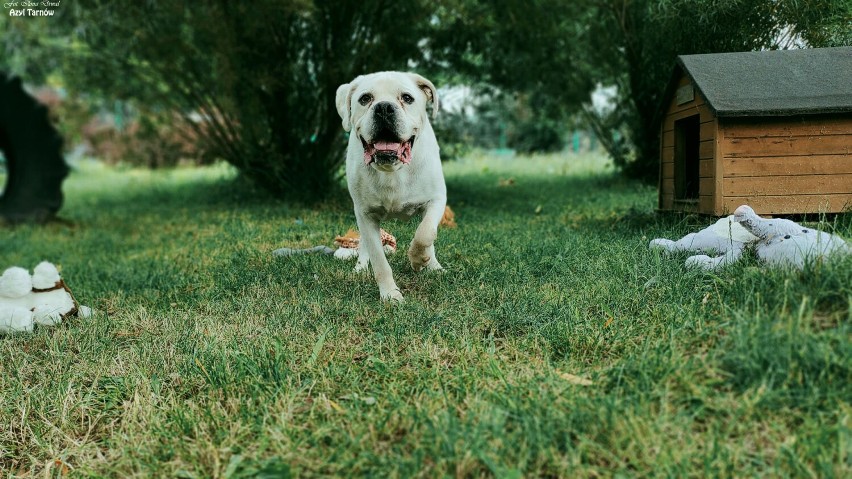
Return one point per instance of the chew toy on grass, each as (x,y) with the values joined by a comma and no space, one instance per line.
(448,220)
(42,299)
(777,242)
(347,245)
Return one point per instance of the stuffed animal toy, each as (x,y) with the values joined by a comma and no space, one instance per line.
(42,299)
(448,220)
(726,237)
(777,242)
(347,245)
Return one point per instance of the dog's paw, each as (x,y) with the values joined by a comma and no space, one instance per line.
(361,268)
(393,296)
(418,256)
(363,264)
(419,262)
(434,265)
(430,263)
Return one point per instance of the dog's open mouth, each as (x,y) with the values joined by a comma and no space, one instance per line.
(384,152)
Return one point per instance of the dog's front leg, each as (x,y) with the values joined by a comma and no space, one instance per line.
(422,250)
(371,243)
(363,257)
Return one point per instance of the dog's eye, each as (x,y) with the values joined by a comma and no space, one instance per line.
(365,99)
(407,98)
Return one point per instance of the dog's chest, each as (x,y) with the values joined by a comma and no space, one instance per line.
(395,196)
(394,209)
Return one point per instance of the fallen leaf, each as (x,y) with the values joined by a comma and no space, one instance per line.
(203,369)
(318,348)
(335,406)
(580,381)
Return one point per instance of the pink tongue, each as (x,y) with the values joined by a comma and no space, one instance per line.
(403,151)
(387,146)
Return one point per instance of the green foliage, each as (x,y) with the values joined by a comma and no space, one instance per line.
(537,136)
(559,50)
(499,121)
(821,23)
(539,48)
(261,74)
(531,128)
(145,138)
(639,40)
(32,47)
(454,135)
(207,357)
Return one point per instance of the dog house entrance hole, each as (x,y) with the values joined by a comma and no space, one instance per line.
(687,139)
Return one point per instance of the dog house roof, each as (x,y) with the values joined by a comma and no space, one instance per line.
(772,83)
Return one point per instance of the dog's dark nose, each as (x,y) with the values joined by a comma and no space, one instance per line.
(385,113)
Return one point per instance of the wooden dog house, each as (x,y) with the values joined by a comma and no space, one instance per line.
(770,129)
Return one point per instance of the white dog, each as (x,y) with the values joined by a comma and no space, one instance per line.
(393,166)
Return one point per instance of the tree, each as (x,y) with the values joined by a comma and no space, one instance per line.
(640,39)
(558,51)
(533,47)
(29,47)
(259,76)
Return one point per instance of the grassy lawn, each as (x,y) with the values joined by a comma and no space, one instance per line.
(207,357)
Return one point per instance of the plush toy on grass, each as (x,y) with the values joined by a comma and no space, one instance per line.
(347,245)
(726,237)
(777,242)
(448,220)
(42,299)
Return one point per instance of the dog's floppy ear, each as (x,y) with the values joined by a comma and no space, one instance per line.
(430,91)
(343,100)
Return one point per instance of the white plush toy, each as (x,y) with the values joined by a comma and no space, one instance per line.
(778,242)
(42,298)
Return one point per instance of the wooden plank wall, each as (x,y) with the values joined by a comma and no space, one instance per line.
(707,164)
(787,165)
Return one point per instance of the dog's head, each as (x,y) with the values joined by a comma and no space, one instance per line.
(386,111)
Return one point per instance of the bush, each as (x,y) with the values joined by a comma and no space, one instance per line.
(124,135)
(262,75)
(537,136)
(151,141)
(454,135)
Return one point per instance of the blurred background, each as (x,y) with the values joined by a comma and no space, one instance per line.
(158,84)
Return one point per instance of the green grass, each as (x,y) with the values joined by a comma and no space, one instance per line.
(210,358)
